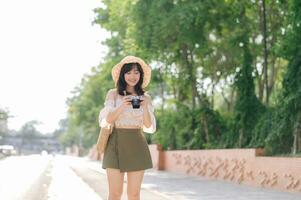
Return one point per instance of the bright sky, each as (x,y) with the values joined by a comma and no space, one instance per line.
(46,46)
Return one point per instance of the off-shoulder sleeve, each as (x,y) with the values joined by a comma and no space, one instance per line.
(151,109)
(108,107)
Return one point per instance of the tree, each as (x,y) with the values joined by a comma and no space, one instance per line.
(292,81)
(214,65)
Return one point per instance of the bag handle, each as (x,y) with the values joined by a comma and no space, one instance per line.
(115,97)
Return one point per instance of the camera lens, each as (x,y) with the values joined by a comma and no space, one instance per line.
(136,103)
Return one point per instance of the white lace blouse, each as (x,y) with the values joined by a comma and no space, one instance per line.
(130,117)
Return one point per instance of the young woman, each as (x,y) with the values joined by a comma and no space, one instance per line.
(127,150)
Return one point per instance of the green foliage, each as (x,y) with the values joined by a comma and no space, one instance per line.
(85,105)
(29,130)
(201,50)
(189,129)
(288,121)
(282,124)
(247,109)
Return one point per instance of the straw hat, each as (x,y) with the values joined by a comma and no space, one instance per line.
(132,59)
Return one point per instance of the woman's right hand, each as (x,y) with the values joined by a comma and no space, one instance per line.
(112,116)
(126,101)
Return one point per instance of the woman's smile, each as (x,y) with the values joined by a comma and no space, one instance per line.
(132,77)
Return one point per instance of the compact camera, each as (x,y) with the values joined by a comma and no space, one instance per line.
(135,100)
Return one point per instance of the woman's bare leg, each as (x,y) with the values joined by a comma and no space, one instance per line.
(134,180)
(115,180)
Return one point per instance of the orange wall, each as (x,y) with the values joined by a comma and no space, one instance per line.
(242,166)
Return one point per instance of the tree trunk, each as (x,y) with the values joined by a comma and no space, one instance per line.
(193,80)
(191,73)
(265,52)
(205,125)
(232,99)
(162,89)
(228,103)
(274,72)
(297,135)
(260,88)
(212,95)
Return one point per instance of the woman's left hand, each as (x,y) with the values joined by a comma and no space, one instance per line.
(144,102)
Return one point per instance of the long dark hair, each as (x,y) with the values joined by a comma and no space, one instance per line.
(121,84)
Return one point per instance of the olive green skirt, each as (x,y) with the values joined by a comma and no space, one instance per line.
(127,150)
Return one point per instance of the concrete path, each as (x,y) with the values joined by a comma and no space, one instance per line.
(183,187)
(61,177)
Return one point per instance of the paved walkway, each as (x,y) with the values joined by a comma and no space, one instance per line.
(96,178)
(183,187)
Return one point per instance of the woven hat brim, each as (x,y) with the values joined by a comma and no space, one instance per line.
(132,59)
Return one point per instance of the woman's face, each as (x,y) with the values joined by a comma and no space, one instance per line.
(132,77)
